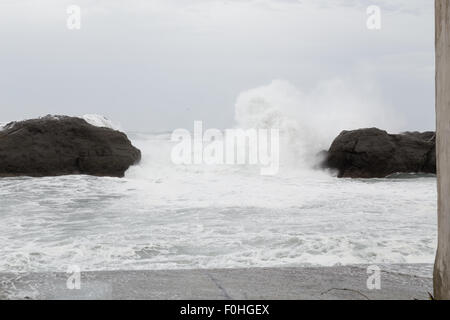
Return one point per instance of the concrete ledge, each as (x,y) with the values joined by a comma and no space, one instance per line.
(347,282)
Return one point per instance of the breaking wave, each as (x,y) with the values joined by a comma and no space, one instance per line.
(166,216)
(310,120)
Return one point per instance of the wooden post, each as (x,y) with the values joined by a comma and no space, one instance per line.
(441,276)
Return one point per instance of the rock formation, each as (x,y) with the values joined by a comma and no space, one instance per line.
(373,153)
(60,145)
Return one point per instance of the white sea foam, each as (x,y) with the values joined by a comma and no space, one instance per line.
(164,216)
(93,119)
(100,121)
(212,217)
(310,120)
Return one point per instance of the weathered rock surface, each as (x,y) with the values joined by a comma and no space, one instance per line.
(373,153)
(61,145)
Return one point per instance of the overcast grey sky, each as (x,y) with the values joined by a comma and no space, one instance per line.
(161,64)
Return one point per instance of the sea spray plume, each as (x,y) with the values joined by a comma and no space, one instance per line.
(309,121)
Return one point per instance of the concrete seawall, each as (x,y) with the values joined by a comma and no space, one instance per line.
(321,283)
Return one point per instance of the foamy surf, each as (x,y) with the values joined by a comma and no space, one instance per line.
(163,216)
(167,216)
(100,121)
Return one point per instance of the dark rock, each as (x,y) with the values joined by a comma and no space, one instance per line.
(373,153)
(61,145)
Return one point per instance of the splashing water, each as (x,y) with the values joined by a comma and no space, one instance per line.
(166,216)
(310,121)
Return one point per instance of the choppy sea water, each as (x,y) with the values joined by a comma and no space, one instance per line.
(164,216)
